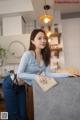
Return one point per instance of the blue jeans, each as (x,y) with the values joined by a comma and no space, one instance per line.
(15,100)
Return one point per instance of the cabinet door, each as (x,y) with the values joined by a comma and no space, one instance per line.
(2,102)
(29,101)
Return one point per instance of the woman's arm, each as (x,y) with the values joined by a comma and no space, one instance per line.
(56,75)
(21,73)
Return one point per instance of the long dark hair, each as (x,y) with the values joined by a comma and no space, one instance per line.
(46,51)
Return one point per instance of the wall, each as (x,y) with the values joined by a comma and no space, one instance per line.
(71,41)
(0,29)
(12,25)
(15,46)
(15,6)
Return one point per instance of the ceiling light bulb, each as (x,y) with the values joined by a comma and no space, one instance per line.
(46,18)
(49,33)
(49,40)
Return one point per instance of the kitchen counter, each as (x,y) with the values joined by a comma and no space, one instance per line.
(61,102)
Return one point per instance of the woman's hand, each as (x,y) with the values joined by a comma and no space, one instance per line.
(20,82)
(75,73)
(42,78)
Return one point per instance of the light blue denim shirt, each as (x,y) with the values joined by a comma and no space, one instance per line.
(29,69)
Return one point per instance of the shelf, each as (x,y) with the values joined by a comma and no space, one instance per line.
(55,43)
(55,34)
(57,49)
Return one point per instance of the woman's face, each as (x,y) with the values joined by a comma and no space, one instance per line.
(40,41)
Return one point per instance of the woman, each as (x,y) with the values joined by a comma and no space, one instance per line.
(35,63)
(35,60)
(32,64)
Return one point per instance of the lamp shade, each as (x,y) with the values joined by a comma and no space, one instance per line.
(46,18)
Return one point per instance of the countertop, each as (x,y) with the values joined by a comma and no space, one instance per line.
(61,102)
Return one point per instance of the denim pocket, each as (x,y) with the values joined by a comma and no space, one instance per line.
(7,82)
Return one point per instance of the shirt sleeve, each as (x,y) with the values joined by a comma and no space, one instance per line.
(21,73)
(55,75)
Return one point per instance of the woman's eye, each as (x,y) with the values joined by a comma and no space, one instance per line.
(39,38)
(42,38)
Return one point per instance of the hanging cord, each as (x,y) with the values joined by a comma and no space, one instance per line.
(45,7)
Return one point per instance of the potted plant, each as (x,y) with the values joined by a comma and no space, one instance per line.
(2,55)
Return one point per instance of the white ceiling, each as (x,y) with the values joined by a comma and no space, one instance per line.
(38,9)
